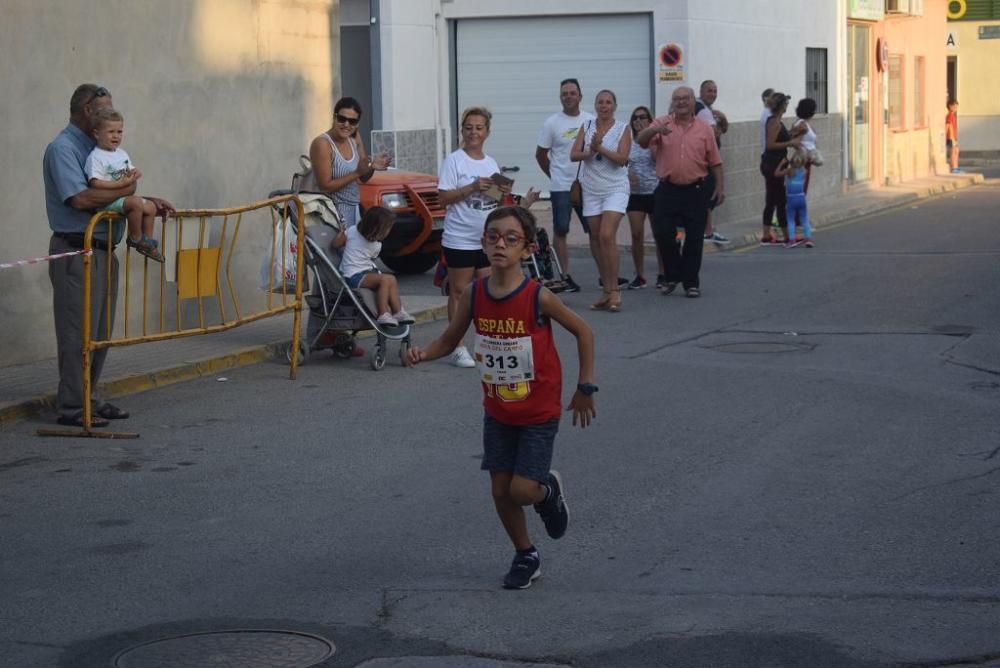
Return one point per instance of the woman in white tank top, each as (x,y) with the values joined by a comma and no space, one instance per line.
(603,146)
(339,160)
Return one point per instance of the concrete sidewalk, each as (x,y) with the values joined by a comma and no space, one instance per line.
(27,390)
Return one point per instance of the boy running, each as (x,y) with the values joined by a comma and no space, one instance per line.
(522,383)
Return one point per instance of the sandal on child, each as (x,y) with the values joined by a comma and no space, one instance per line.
(146,246)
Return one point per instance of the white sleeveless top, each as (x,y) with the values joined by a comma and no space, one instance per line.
(601,176)
(809,138)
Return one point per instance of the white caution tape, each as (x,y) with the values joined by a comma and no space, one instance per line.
(24,263)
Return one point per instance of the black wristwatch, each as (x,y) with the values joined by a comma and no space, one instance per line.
(586,388)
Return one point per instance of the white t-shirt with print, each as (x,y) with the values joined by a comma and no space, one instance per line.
(359,254)
(107,165)
(465,219)
(557,135)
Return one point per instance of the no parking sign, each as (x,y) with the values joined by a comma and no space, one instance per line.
(670,57)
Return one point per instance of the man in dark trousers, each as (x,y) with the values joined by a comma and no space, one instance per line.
(686,154)
(69,204)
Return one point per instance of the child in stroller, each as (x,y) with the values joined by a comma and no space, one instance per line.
(338,311)
(361,244)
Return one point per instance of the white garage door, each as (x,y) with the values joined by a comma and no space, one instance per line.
(514,66)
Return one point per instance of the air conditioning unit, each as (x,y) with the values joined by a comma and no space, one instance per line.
(897,6)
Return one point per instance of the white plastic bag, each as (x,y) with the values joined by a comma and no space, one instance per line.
(279,275)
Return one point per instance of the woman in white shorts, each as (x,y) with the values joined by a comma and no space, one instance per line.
(603,145)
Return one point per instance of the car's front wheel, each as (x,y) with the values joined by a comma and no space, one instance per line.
(414,263)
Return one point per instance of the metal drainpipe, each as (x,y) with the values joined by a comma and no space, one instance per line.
(375,55)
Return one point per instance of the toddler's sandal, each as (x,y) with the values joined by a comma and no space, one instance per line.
(148,247)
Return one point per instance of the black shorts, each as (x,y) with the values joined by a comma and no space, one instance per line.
(465,259)
(643,203)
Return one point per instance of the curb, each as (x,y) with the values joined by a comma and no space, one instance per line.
(190,370)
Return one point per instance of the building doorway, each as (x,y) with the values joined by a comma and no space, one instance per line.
(859,87)
(952,77)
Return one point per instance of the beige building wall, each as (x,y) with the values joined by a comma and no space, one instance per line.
(916,149)
(978,85)
(219,97)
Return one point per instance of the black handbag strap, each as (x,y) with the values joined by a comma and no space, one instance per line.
(580,164)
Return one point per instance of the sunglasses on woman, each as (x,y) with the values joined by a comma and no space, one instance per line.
(641,117)
(347,120)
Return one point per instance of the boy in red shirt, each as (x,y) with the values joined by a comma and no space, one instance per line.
(951,135)
(522,383)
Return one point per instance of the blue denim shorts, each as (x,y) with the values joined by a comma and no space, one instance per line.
(354,280)
(562,213)
(526,450)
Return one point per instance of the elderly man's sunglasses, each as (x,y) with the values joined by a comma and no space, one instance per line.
(100,92)
(347,120)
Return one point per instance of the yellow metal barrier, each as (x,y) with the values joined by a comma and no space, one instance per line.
(197,276)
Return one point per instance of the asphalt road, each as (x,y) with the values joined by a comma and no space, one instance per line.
(798,469)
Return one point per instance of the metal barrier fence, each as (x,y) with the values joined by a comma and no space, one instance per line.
(199,272)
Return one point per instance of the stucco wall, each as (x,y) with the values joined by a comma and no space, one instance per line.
(219,97)
(917,149)
(978,86)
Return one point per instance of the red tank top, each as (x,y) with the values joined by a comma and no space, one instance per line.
(513,341)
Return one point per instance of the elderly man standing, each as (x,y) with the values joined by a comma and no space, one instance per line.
(686,154)
(69,204)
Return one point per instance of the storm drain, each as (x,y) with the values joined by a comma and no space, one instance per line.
(756,347)
(248,648)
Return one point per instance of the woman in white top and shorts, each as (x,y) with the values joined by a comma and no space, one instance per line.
(604,146)
(464,177)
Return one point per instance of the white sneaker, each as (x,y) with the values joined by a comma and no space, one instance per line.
(462,358)
(387,319)
(403,318)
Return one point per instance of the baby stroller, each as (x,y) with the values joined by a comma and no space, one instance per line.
(336,312)
(543,265)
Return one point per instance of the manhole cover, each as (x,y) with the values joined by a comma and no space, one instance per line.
(229,649)
(762,347)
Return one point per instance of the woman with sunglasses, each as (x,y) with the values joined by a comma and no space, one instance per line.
(339,160)
(642,181)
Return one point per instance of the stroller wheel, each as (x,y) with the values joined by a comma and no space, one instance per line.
(377,359)
(303,353)
(404,351)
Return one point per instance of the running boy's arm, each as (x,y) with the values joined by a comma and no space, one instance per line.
(781,170)
(581,405)
(451,337)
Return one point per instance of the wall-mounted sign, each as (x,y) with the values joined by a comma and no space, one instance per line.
(957,9)
(952,42)
(989,32)
(670,58)
(866,10)
(881,54)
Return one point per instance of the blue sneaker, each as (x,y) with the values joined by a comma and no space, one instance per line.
(553,510)
(523,570)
